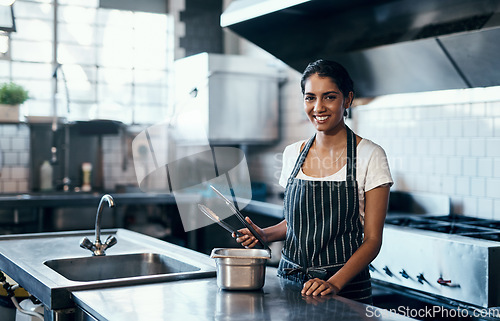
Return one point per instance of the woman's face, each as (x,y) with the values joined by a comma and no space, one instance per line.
(324,103)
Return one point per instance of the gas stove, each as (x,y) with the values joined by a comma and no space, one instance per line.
(449,256)
(452,224)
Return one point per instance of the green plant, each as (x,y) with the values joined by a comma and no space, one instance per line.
(12,94)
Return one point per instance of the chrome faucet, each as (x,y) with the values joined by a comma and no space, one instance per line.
(98,248)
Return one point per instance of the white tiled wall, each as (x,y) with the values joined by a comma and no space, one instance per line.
(14,158)
(445,142)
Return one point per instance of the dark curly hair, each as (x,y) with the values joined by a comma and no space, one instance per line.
(332,70)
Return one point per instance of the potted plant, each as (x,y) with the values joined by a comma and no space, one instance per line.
(11,96)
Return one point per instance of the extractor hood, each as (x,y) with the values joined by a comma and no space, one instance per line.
(388,46)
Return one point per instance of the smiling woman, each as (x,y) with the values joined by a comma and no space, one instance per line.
(325,105)
(336,197)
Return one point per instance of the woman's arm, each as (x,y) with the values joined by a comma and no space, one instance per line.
(269,234)
(376,201)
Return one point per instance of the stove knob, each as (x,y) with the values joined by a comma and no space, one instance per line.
(443,282)
(421,278)
(387,271)
(404,274)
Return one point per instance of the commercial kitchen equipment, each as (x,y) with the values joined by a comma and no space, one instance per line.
(233,98)
(52,265)
(240,269)
(451,256)
(388,46)
(433,259)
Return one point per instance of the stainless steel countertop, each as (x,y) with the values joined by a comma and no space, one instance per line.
(201,299)
(23,258)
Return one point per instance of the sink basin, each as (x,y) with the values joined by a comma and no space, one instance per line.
(98,268)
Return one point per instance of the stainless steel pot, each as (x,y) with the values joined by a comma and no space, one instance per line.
(240,269)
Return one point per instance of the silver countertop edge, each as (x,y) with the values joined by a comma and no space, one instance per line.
(23,257)
(270,207)
(201,299)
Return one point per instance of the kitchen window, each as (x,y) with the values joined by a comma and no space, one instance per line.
(114,64)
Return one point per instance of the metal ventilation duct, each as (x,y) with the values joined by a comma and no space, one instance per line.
(388,46)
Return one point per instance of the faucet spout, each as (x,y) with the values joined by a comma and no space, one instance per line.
(97,247)
(111,203)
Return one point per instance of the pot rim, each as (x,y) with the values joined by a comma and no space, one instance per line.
(214,255)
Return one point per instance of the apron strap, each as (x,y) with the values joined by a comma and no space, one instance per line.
(308,273)
(301,159)
(351,155)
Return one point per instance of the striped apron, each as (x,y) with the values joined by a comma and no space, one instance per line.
(323,227)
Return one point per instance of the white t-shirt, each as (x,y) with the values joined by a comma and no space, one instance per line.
(372,169)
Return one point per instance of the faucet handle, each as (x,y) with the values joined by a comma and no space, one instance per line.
(110,241)
(86,244)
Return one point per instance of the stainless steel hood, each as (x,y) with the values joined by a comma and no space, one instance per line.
(388,46)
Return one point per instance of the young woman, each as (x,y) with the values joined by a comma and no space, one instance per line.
(337,189)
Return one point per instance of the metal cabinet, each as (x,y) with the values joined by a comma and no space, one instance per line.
(229,99)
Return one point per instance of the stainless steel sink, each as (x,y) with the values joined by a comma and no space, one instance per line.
(98,268)
(52,265)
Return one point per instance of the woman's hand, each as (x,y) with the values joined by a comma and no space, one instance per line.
(248,240)
(316,300)
(319,287)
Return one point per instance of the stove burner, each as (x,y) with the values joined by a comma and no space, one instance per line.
(488,224)
(406,221)
(456,219)
(452,229)
(486,236)
(451,224)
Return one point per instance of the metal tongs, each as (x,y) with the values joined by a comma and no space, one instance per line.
(241,218)
(211,215)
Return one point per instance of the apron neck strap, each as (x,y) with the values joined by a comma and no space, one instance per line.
(351,155)
(301,159)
